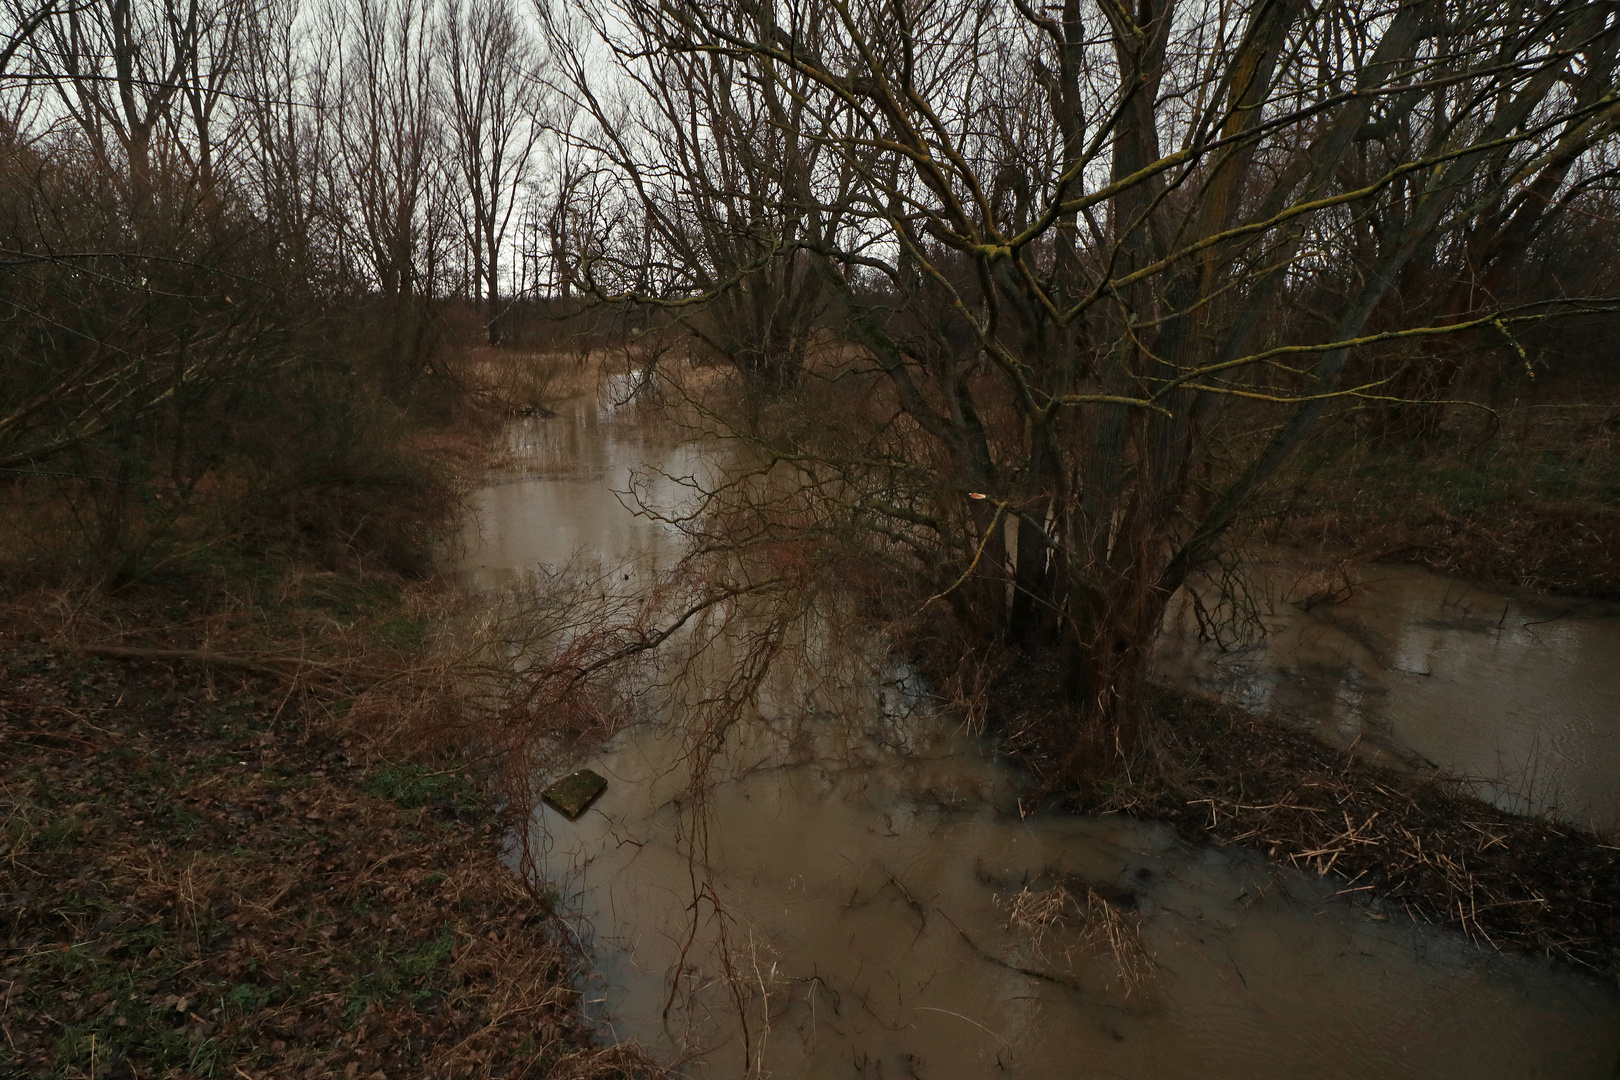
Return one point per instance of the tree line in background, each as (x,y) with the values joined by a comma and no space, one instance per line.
(1026,305)
(229,232)
(377,146)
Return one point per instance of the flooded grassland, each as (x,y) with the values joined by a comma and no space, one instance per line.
(861,893)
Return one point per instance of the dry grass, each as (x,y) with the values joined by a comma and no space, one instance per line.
(517,381)
(1071,916)
(1418,844)
(1537,506)
(224,857)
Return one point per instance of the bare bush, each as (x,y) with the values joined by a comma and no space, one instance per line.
(1098,274)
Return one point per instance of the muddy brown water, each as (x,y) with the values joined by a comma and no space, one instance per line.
(865,850)
(1519,692)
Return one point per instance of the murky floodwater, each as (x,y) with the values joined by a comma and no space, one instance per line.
(864,852)
(1520,693)
(567,498)
(866,873)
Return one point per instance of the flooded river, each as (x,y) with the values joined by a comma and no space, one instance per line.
(1521,693)
(867,855)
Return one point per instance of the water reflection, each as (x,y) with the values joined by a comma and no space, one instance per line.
(858,846)
(860,872)
(1522,693)
(570,494)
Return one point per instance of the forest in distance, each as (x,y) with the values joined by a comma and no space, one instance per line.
(1201,416)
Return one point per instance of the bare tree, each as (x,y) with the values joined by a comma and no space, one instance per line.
(212,39)
(221,226)
(1113,263)
(25,21)
(489,61)
(141,80)
(287,120)
(713,192)
(112,282)
(388,172)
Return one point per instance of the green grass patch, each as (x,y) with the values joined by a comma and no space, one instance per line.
(414,973)
(403,633)
(412,786)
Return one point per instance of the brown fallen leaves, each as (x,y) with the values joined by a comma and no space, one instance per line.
(192,884)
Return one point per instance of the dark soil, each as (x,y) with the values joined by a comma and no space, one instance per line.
(196,882)
(1536,506)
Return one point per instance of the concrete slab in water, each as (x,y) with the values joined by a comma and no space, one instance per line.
(573,794)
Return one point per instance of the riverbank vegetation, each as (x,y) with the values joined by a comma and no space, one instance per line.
(1020,322)
(246,375)
(1028,320)
(1531,501)
(202,881)
(245,832)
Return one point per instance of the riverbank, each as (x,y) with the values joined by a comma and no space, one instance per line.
(209,871)
(1397,842)
(1534,506)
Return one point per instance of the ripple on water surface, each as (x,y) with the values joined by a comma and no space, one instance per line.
(864,852)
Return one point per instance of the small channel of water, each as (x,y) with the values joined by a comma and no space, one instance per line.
(865,849)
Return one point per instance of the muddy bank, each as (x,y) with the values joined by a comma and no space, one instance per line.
(199,883)
(1402,843)
(1515,691)
(1536,505)
(1434,746)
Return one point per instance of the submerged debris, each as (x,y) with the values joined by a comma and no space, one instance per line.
(1423,844)
(1072,916)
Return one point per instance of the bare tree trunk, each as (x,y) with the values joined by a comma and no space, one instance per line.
(1070,264)
(492,104)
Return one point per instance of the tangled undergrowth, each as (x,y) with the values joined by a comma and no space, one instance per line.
(202,878)
(1422,844)
(1537,506)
